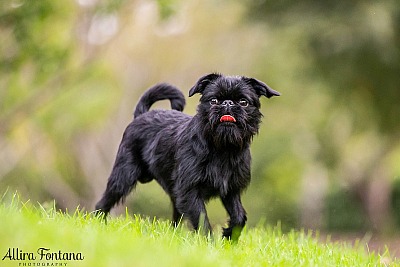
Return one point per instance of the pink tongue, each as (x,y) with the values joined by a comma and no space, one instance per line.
(227,118)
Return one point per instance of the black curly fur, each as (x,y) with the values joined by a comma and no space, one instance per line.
(192,158)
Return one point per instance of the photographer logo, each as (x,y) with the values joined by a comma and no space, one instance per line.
(41,257)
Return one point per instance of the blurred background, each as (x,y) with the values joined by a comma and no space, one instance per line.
(328,152)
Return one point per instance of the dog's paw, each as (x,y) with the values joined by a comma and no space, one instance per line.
(232,233)
(227,233)
(101,215)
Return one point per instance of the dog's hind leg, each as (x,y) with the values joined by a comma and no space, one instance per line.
(123,179)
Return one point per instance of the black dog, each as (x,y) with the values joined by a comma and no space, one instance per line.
(192,158)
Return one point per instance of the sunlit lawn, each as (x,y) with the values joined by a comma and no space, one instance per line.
(133,241)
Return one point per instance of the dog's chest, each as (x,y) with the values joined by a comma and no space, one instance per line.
(227,172)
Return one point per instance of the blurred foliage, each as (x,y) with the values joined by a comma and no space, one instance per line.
(353,50)
(328,148)
(51,93)
(395,201)
(344,212)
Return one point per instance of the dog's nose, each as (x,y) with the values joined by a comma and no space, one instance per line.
(228,103)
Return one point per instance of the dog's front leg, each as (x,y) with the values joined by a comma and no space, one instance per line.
(192,206)
(237,214)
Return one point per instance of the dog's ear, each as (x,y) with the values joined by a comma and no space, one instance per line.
(261,88)
(202,83)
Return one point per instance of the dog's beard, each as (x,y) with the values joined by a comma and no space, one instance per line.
(233,132)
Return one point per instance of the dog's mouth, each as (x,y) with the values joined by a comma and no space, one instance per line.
(227,118)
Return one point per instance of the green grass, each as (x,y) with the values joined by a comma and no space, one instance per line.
(134,241)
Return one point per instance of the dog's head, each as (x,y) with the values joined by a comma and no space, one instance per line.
(229,108)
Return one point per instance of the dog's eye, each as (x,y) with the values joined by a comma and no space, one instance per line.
(214,101)
(243,103)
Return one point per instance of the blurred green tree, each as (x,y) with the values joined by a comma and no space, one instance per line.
(52,89)
(354,51)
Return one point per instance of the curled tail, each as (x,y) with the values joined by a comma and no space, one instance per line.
(160,92)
